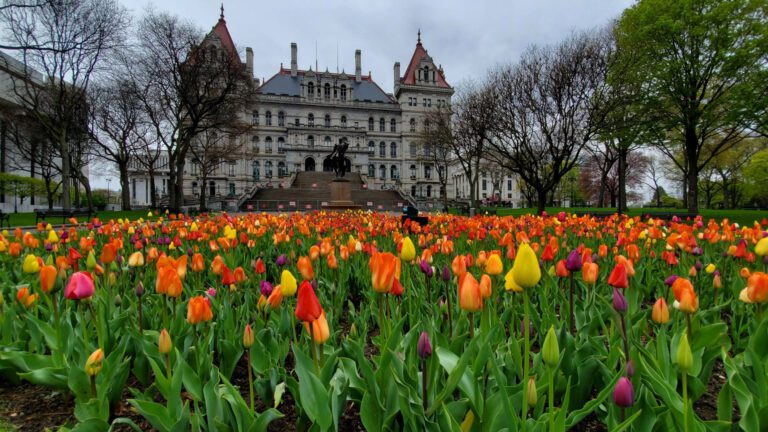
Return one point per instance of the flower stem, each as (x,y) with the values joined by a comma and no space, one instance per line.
(690,327)
(250,374)
(570,307)
(685,401)
(450,319)
(471,325)
(424,399)
(551,395)
(526,354)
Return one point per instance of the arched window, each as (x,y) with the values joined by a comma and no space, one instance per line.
(392,125)
(413,125)
(327,120)
(327,91)
(371,171)
(382,149)
(370,124)
(255,117)
(268,118)
(393,150)
(281,118)
(371,148)
(255,143)
(382,172)
(343,121)
(393,172)
(413,171)
(381,125)
(281,170)
(311,119)
(343,92)
(327,141)
(268,169)
(281,145)
(255,169)
(311,141)
(311,90)
(268,145)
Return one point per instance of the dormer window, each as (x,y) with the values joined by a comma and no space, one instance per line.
(343,92)
(311,90)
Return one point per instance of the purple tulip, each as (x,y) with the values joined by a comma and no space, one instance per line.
(697,251)
(619,301)
(281,260)
(424,347)
(595,257)
(630,369)
(64,235)
(698,265)
(670,280)
(139,290)
(190,252)
(573,263)
(624,394)
(426,268)
(266,288)
(48,247)
(446,274)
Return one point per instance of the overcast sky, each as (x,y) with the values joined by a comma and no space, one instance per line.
(465,37)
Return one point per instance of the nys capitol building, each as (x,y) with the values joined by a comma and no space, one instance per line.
(299,114)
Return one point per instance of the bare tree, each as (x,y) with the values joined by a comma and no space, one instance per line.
(653,178)
(435,141)
(187,87)
(117,127)
(61,45)
(211,150)
(550,107)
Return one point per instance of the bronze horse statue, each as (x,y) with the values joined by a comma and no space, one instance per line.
(341,165)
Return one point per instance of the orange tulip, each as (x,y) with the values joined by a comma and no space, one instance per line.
(756,290)
(560,270)
(319,329)
(332,262)
(48,276)
(168,282)
(198,310)
(217,265)
(108,253)
(25,298)
(305,268)
(470,295)
(685,296)
(660,312)
(383,269)
(590,272)
(459,265)
(275,297)
(240,276)
(198,264)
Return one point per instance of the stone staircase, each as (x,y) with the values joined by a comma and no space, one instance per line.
(310,191)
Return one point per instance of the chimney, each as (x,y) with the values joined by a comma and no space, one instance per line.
(249,60)
(294,63)
(397,77)
(358,72)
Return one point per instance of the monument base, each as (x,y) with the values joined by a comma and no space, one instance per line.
(341,195)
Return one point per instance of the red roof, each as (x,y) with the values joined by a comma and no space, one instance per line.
(221,31)
(410,73)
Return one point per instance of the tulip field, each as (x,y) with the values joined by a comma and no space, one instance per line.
(355,321)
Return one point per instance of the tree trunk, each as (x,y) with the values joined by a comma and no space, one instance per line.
(601,191)
(692,178)
(66,202)
(88,192)
(125,192)
(203,180)
(49,193)
(152,194)
(622,204)
(178,185)
(541,200)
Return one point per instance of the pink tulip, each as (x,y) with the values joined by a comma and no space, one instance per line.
(80,286)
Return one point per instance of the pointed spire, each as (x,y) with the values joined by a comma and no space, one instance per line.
(221,16)
(418,38)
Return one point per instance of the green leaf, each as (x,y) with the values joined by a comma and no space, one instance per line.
(313,394)
(370,413)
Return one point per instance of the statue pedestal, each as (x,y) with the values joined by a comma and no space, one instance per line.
(341,195)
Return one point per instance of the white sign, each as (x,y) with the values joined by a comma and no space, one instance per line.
(370,204)
(324,204)
(399,204)
(292,203)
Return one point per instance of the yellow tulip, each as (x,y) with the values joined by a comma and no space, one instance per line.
(287,284)
(30,264)
(761,248)
(52,237)
(509,282)
(526,268)
(493,265)
(408,251)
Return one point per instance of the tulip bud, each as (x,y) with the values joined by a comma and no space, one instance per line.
(630,369)
(139,289)
(660,312)
(247,336)
(551,350)
(266,288)
(94,363)
(446,274)
(426,268)
(164,344)
(670,280)
(281,260)
(118,300)
(90,262)
(574,263)
(623,393)
(619,302)
(531,393)
(684,355)
(424,347)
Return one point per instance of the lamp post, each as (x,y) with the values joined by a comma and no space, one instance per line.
(108,180)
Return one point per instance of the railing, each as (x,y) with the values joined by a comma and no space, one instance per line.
(289,205)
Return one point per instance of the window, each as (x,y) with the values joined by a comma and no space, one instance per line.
(281,145)
(393,172)
(327,120)
(311,90)
(195,167)
(231,189)
(343,121)
(255,143)
(296,122)
(413,149)
(282,171)
(343,92)
(268,169)
(429,191)
(211,188)
(327,91)
(194,188)
(428,171)
(255,118)
(371,171)
(327,141)
(393,150)
(268,145)
(429,102)
(311,119)
(413,190)
(410,101)
(441,171)
(371,148)
(426,124)
(413,171)
(311,141)
(509,184)
(424,101)
(381,125)
(382,172)
(392,125)
(413,125)
(370,124)
(281,118)
(268,118)
(255,170)
(232,165)
(485,184)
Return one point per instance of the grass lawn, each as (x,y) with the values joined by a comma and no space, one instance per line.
(741,217)
(28,219)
